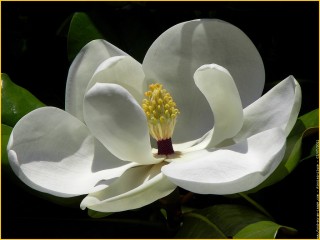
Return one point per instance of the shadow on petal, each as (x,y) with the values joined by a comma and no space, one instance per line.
(103,159)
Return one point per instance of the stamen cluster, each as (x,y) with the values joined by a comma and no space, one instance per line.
(161,112)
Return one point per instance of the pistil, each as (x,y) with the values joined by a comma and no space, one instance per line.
(165,147)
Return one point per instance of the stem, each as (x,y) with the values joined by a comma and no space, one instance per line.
(186,197)
(255,204)
(171,204)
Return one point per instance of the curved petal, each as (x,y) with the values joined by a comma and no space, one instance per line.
(217,85)
(124,71)
(81,71)
(229,170)
(53,152)
(277,108)
(177,53)
(194,145)
(106,167)
(136,188)
(116,119)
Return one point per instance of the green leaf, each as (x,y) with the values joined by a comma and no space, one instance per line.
(313,152)
(198,226)
(255,204)
(5,134)
(306,125)
(225,221)
(311,119)
(81,31)
(95,214)
(264,229)
(15,101)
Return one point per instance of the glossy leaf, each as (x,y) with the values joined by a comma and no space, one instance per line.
(81,31)
(264,229)
(198,226)
(15,101)
(313,152)
(255,204)
(310,119)
(305,125)
(95,214)
(5,134)
(224,221)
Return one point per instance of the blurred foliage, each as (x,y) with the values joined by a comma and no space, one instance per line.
(15,101)
(5,134)
(229,221)
(80,31)
(265,230)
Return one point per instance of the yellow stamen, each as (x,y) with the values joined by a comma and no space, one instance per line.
(161,112)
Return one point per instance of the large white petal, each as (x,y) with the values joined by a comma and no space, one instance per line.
(117,120)
(277,108)
(81,71)
(229,170)
(124,71)
(177,53)
(53,152)
(217,85)
(136,188)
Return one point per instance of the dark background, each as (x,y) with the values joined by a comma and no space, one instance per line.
(34,55)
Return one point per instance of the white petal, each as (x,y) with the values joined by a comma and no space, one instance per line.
(198,144)
(136,188)
(53,152)
(117,120)
(230,170)
(277,108)
(106,167)
(177,53)
(124,71)
(218,87)
(81,71)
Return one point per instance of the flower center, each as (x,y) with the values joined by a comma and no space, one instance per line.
(161,114)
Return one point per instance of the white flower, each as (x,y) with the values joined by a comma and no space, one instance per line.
(100,145)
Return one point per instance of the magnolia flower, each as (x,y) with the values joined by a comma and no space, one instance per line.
(205,80)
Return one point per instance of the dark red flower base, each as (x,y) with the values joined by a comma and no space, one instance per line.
(165,147)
